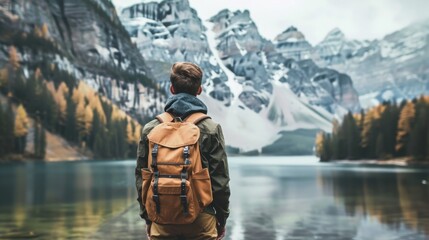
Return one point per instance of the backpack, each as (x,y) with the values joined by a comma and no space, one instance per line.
(175,187)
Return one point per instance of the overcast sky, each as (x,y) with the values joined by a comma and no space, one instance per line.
(358,19)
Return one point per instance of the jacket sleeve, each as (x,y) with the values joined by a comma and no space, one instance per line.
(142,162)
(219,174)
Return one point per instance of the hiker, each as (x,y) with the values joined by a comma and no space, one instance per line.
(182,176)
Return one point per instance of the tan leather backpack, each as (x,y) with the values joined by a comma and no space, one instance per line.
(175,187)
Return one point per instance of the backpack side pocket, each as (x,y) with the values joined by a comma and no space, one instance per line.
(202,187)
(147,178)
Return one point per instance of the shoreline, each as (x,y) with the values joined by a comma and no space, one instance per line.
(397,162)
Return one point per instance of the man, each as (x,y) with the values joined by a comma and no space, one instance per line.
(210,224)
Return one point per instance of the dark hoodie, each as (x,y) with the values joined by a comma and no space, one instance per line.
(183,104)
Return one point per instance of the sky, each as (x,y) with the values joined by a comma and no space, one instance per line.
(358,19)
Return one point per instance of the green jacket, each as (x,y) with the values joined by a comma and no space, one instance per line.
(213,156)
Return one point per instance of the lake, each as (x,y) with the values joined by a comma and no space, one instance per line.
(272,198)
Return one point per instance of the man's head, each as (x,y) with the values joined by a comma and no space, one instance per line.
(186,77)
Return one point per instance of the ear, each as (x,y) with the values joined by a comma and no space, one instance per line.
(172,90)
(200,90)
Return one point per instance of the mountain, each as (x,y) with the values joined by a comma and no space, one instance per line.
(73,65)
(248,83)
(396,65)
(292,44)
(171,31)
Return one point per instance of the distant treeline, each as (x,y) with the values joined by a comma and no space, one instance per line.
(64,106)
(386,131)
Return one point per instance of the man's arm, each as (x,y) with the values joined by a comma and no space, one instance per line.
(219,174)
(142,162)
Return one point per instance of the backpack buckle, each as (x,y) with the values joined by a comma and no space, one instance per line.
(178,119)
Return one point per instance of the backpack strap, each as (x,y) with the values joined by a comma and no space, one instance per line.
(165,117)
(196,118)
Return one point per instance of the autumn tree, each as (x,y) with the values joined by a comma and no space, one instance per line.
(320,137)
(21,128)
(45,31)
(14,58)
(406,119)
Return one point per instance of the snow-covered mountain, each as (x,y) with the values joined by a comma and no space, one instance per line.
(396,65)
(398,62)
(171,31)
(292,44)
(251,88)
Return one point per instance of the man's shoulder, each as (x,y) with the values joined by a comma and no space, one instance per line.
(150,125)
(208,126)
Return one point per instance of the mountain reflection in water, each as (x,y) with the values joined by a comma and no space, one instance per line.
(272,198)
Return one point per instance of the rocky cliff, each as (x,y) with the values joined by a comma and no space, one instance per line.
(84,38)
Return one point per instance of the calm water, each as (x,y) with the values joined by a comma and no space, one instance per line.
(273,198)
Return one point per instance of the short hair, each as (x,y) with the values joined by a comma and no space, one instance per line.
(186,77)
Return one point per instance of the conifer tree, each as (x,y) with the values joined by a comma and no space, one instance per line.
(71,127)
(96,127)
(9,130)
(2,131)
(80,119)
(327,154)
(405,122)
(89,116)
(37,138)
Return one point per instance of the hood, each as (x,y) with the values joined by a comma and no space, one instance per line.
(183,104)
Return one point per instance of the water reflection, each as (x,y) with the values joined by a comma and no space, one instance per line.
(96,200)
(61,199)
(398,200)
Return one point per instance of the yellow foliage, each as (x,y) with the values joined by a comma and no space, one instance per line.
(88,119)
(320,138)
(78,96)
(80,116)
(137,133)
(358,119)
(95,103)
(45,31)
(118,114)
(13,58)
(130,133)
(407,115)
(21,122)
(38,32)
(4,76)
(63,89)
(424,99)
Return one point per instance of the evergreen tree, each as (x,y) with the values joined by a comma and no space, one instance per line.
(71,132)
(352,137)
(2,131)
(379,147)
(36,139)
(327,154)
(96,127)
(417,142)
(43,143)
(9,127)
